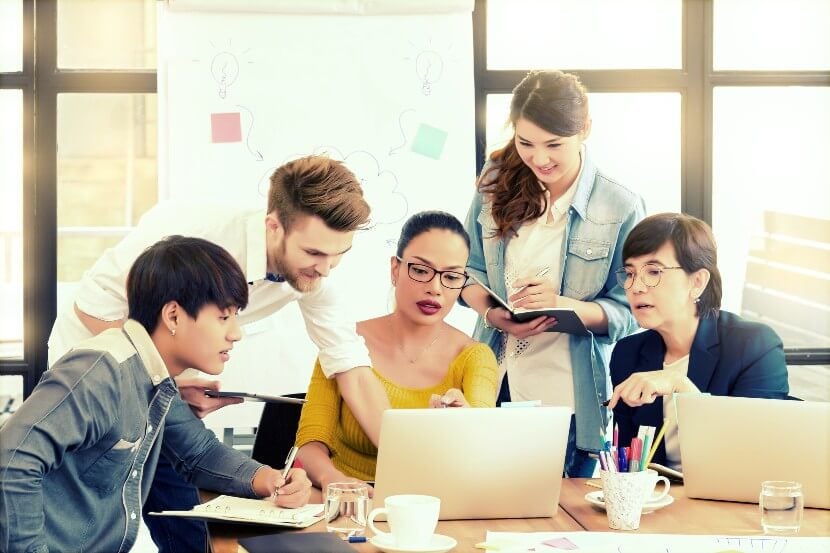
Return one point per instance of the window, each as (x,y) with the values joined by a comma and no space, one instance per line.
(124,37)
(588,34)
(11,39)
(106,169)
(11,224)
(768,35)
(766,191)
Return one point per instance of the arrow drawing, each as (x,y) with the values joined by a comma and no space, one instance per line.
(257,154)
(394,151)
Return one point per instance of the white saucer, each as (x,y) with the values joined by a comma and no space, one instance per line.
(596,499)
(437,544)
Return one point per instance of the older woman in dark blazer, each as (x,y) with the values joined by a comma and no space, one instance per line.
(673,286)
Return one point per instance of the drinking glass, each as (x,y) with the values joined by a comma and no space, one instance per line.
(782,506)
(347,504)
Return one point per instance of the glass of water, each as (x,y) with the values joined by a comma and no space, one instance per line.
(782,506)
(347,505)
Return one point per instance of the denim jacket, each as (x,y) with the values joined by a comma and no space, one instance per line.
(600,217)
(78,457)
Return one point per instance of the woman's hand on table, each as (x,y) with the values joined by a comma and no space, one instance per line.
(451,398)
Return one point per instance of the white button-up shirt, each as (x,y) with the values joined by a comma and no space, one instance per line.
(539,367)
(102,293)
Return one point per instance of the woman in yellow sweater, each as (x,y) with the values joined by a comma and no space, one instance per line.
(420,359)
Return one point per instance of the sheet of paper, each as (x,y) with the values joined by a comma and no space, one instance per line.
(611,542)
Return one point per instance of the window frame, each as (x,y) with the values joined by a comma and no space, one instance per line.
(42,81)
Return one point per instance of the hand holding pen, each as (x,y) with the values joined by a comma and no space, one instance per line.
(534,292)
(291,488)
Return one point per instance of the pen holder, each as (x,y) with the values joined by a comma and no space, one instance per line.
(625,493)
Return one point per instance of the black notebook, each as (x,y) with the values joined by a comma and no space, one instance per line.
(566,319)
(297,542)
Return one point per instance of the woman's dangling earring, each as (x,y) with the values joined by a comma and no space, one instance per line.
(172,332)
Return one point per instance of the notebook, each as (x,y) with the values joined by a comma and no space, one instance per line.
(729,445)
(226,508)
(566,319)
(482,463)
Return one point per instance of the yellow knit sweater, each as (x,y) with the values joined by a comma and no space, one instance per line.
(326,418)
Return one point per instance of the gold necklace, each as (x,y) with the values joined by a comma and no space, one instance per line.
(412,360)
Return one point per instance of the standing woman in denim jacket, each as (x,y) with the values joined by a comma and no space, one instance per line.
(542,206)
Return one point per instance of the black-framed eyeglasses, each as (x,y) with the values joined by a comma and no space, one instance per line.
(424,273)
(650,275)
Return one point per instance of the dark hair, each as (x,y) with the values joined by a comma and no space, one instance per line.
(320,186)
(554,101)
(426,221)
(190,271)
(694,246)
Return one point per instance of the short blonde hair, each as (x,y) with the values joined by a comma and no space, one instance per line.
(318,185)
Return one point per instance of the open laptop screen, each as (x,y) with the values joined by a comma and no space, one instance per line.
(729,445)
(482,463)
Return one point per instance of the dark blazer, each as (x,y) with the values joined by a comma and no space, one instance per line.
(730,356)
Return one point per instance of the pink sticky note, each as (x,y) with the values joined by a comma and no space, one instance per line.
(561,543)
(225,127)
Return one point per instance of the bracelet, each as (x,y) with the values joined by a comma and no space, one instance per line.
(486,324)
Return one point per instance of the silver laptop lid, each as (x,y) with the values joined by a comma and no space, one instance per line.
(482,463)
(729,445)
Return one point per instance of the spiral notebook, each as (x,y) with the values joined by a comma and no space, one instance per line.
(227,508)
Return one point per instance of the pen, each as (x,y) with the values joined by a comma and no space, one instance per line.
(543,272)
(289,461)
(622,464)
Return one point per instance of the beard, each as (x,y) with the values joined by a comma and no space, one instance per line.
(293,277)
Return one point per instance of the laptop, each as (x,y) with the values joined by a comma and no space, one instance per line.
(729,445)
(482,462)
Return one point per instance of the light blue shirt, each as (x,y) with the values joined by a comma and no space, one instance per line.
(601,215)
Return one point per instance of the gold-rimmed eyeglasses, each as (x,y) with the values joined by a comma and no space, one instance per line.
(424,273)
(650,275)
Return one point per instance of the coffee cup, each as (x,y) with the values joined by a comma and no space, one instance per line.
(412,519)
(625,493)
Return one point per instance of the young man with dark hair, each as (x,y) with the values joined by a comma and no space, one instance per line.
(315,206)
(78,457)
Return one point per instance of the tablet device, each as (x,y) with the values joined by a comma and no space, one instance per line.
(255,397)
(567,319)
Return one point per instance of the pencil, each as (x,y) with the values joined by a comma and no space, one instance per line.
(656,443)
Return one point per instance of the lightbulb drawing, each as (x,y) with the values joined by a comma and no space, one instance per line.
(225,70)
(429,66)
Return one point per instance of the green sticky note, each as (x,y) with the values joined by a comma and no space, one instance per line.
(429,141)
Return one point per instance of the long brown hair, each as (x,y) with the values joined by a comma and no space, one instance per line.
(554,101)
